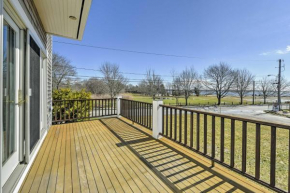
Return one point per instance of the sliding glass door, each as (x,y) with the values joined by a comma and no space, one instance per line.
(10,137)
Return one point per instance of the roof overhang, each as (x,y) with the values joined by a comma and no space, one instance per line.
(66,18)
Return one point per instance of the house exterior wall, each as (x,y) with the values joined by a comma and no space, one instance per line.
(24,15)
(49,79)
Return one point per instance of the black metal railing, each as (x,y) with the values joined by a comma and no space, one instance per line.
(138,112)
(256,149)
(83,109)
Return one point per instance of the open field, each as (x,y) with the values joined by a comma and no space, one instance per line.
(201,100)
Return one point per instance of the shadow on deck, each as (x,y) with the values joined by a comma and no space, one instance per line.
(110,155)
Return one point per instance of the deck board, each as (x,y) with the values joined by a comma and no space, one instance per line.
(110,155)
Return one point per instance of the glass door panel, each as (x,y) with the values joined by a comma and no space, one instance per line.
(9,77)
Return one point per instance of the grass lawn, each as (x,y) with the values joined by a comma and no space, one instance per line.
(193,100)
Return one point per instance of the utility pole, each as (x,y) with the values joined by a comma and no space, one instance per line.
(253,92)
(279,85)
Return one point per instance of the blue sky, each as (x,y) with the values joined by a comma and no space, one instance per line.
(245,34)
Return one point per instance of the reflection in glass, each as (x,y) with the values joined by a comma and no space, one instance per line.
(8,140)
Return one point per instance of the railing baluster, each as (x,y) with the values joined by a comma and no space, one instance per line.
(180,126)
(106,109)
(147,115)
(273,157)
(143,114)
(138,112)
(205,134)
(99,107)
(69,110)
(232,164)
(222,140)
(167,131)
(163,133)
(150,120)
(135,112)
(73,109)
(170,123)
(102,107)
(213,137)
(63,110)
(111,106)
(191,129)
(78,115)
(175,124)
(197,130)
(244,147)
(258,151)
(185,127)
(131,111)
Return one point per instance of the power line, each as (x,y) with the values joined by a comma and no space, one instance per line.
(131,73)
(130,51)
(149,53)
(129,80)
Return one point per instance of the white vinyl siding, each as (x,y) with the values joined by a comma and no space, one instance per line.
(49,79)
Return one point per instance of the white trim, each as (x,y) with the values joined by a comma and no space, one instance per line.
(29,34)
(44,105)
(1,86)
(27,100)
(32,158)
(22,90)
(28,24)
(13,160)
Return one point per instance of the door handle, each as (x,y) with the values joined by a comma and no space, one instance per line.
(20,102)
(8,101)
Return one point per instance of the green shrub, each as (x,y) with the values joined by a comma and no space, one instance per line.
(70,105)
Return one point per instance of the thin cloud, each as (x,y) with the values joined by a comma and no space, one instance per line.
(265,53)
(279,52)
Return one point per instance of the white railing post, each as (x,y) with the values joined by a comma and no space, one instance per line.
(157,119)
(119,106)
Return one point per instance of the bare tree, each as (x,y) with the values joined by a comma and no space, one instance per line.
(219,78)
(62,70)
(266,87)
(113,78)
(243,79)
(176,86)
(285,86)
(95,86)
(188,78)
(168,87)
(142,87)
(154,83)
(198,86)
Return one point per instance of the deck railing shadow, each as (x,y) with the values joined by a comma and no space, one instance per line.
(178,170)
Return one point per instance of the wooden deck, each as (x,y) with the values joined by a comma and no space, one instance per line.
(110,155)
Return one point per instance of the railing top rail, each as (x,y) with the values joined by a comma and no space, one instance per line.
(267,123)
(137,101)
(82,99)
